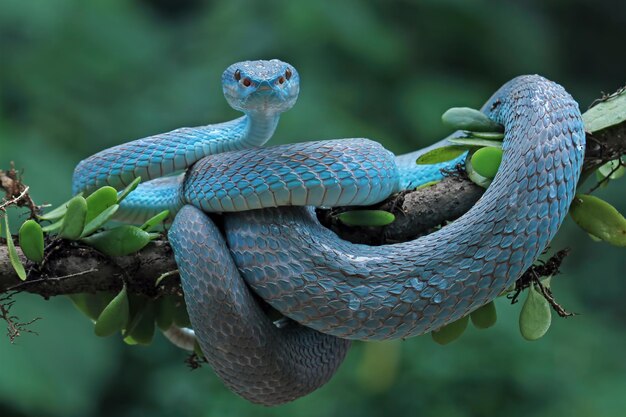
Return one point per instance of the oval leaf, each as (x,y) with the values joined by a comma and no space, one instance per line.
(100,200)
(31,240)
(119,241)
(129,189)
(536,316)
(450,332)
(52,227)
(58,212)
(475,177)
(476,142)
(465,118)
(599,218)
(114,316)
(485,316)
(13,256)
(490,136)
(442,154)
(181,316)
(612,169)
(486,161)
(91,305)
(100,219)
(74,219)
(606,113)
(165,312)
(141,327)
(156,220)
(366,218)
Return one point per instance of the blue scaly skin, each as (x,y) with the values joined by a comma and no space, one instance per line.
(336,289)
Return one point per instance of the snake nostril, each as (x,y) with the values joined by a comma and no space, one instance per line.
(246,82)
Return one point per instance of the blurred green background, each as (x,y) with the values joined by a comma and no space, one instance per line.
(78,76)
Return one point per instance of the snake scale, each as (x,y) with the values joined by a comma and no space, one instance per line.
(271,249)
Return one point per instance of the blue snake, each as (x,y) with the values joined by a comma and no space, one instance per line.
(270,249)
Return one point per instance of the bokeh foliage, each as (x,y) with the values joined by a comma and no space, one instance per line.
(78,76)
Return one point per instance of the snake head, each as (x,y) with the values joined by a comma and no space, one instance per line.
(261,86)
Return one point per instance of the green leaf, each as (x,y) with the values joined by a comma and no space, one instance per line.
(486,161)
(491,136)
(99,220)
(441,154)
(119,241)
(536,316)
(13,256)
(599,218)
(366,218)
(115,315)
(52,227)
(475,177)
(181,317)
(154,221)
(91,305)
(166,308)
(476,142)
(74,219)
(100,200)
(427,184)
(31,240)
(465,118)
(58,212)
(129,189)
(485,316)
(612,169)
(141,326)
(450,332)
(607,113)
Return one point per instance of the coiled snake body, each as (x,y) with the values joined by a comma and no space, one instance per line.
(333,290)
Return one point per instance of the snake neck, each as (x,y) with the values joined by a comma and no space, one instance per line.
(258,128)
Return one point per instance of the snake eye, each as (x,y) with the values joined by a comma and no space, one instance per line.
(287,74)
(247,82)
(281,80)
(237,75)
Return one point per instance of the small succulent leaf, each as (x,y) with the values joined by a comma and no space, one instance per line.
(476,142)
(612,169)
(598,218)
(165,312)
(115,315)
(155,221)
(607,113)
(129,189)
(427,184)
(31,240)
(441,154)
(100,220)
(366,218)
(119,241)
(536,316)
(465,118)
(491,136)
(14,258)
(53,227)
(450,332)
(100,200)
(74,219)
(91,305)
(58,212)
(485,316)
(486,161)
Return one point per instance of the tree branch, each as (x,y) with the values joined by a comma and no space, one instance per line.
(72,268)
